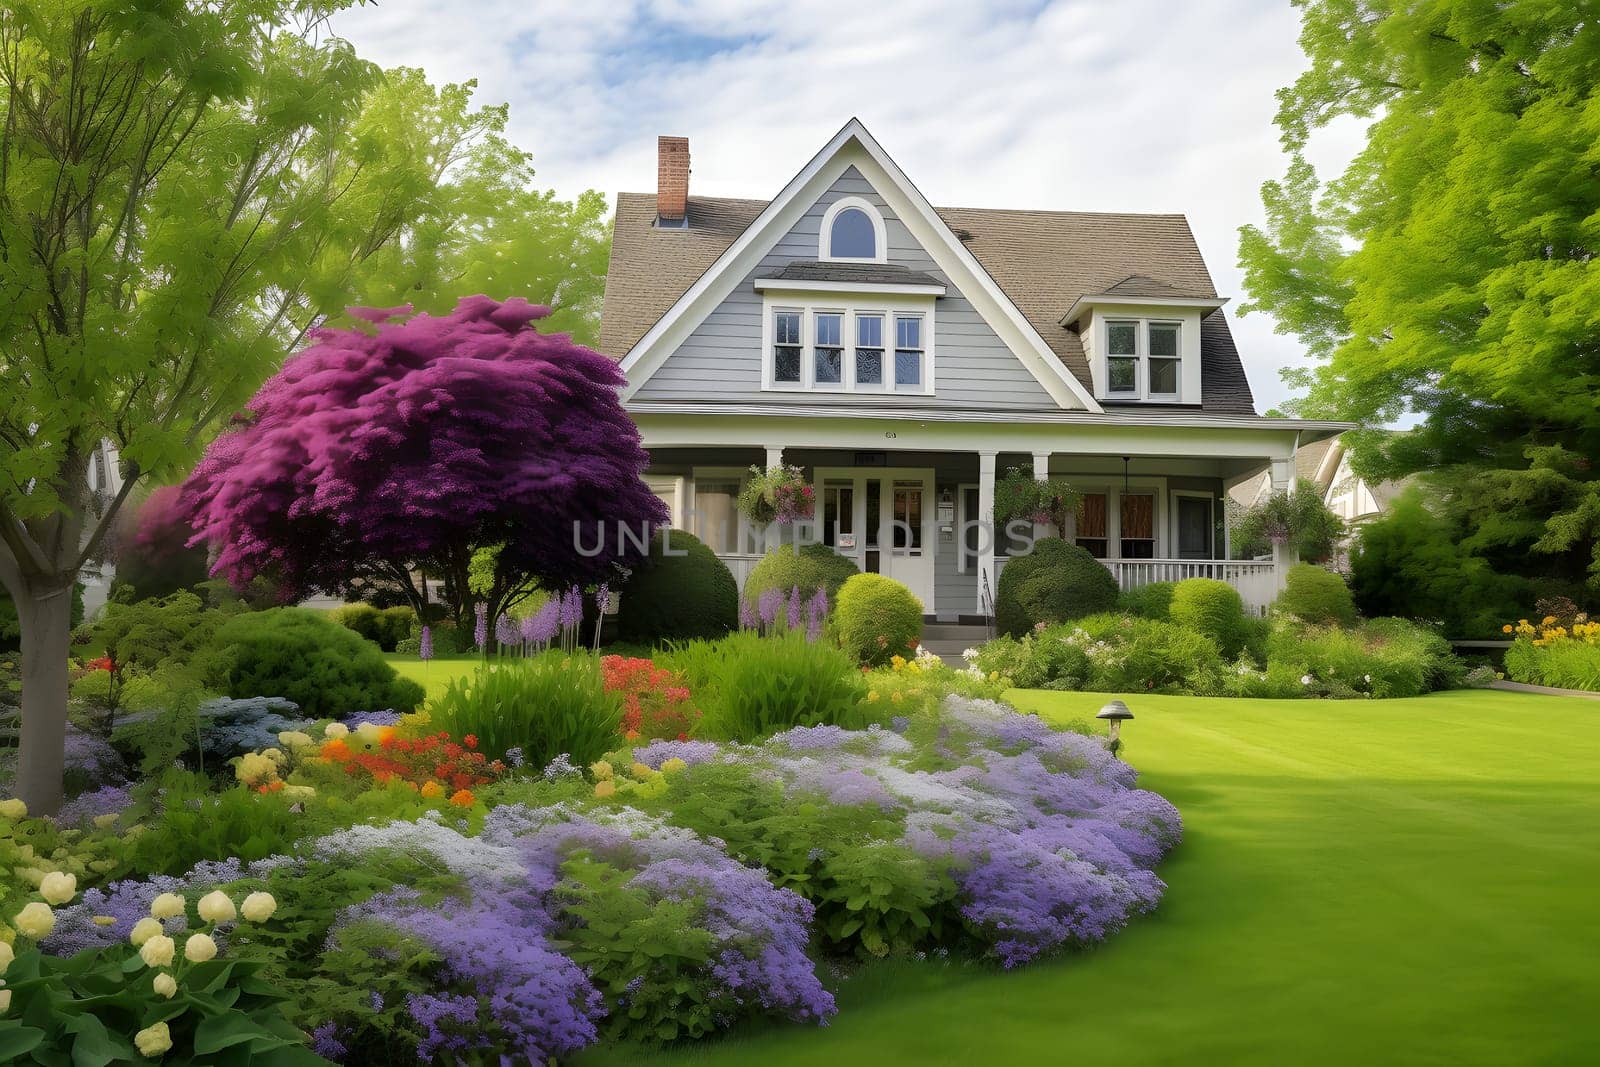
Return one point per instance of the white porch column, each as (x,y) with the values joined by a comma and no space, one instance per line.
(1283,556)
(987,534)
(774,456)
(1041,472)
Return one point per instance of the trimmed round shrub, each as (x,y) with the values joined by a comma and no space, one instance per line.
(1055,582)
(1314,594)
(363,619)
(1153,601)
(303,656)
(877,619)
(681,591)
(1214,609)
(813,567)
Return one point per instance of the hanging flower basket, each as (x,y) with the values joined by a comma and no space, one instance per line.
(777,494)
(1019,495)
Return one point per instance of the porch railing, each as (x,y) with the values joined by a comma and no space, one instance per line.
(1255,579)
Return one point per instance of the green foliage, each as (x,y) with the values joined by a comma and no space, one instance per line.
(749,686)
(1152,601)
(1448,272)
(1109,653)
(448,638)
(1020,496)
(1298,519)
(385,628)
(30,848)
(877,619)
(1410,563)
(545,705)
(89,1007)
(1214,609)
(681,591)
(187,822)
(1317,595)
(1379,658)
(1057,581)
(299,654)
(1565,664)
(813,567)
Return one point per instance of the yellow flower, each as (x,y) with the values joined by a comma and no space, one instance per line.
(13,808)
(144,930)
(105,920)
(253,767)
(200,948)
(872,697)
(216,907)
(165,985)
(1506,628)
(897,697)
(7,954)
(58,888)
(605,788)
(601,770)
(106,821)
(294,739)
(1548,619)
(167,906)
(258,907)
(36,920)
(300,791)
(994,676)
(158,951)
(153,1041)
(640,771)
(335,729)
(673,765)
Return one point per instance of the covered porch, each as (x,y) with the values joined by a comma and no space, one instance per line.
(915,500)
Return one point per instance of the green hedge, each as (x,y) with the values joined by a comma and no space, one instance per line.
(678,597)
(1153,601)
(1055,582)
(1213,608)
(813,567)
(878,619)
(385,627)
(302,655)
(1316,595)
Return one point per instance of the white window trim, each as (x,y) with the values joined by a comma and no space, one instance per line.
(880,232)
(1141,358)
(743,528)
(888,309)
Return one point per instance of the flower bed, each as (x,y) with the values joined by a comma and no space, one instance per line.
(1563,652)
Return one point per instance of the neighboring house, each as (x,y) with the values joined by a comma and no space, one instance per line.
(1326,464)
(105,482)
(904,356)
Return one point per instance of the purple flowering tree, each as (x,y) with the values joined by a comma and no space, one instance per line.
(382,454)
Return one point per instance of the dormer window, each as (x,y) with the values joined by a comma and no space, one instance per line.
(852,231)
(1144,359)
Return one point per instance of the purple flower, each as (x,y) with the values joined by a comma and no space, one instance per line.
(425,649)
(82,810)
(325,1042)
(480,628)
(816,614)
(659,751)
(572,608)
(602,598)
(794,608)
(506,631)
(748,619)
(768,604)
(542,626)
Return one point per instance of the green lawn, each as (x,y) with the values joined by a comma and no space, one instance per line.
(437,673)
(1405,881)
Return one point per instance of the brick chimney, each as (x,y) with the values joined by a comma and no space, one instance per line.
(672,181)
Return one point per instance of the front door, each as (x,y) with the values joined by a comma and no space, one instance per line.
(883,519)
(1193,518)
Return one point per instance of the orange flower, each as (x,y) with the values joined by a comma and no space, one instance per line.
(336,750)
(463,798)
(432,788)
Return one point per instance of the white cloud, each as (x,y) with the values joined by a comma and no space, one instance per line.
(1095,105)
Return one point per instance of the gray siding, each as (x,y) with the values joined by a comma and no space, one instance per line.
(721,359)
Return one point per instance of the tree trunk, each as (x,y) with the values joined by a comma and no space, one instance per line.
(45,611)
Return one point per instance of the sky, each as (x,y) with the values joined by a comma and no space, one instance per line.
(1078,105)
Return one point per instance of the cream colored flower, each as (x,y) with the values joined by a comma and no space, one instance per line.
(158,951)
(258,907)
(294,739)
(7,954)
(167,906)
(36,920)
(144,930)
(165,985)
(106,821)
(672,765)
(58,888)
(253,767)
(200,948)
(299,791)
(152,1041)
(5,1001)
(601,770)
(369,731)
(274,754)
(216,907)
(105,920)
(335,729)
(13,808)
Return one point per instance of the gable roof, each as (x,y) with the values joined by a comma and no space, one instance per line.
(1041,261)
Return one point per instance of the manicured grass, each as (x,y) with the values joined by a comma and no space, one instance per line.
(1405,881)
(437,673)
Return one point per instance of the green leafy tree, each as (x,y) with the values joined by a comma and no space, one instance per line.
(185,191)
(1449,272)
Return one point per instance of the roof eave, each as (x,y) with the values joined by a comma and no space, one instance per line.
(1083,303)
(797,285)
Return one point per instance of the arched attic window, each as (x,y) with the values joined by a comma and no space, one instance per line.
(852,229)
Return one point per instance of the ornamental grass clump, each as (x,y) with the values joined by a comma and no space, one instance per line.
(751,686)
(546,706)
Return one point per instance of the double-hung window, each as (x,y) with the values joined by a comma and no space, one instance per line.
(829,349)
(908,352)
(787,347)
(1144,359)
(869,350)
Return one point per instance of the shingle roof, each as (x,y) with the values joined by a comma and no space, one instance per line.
(864,273)
(1139,285)
(1042,260)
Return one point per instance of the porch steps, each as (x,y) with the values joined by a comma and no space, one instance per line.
(948,640)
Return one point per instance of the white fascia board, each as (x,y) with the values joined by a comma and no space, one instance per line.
(788,285)
(1084,303)
(853,145)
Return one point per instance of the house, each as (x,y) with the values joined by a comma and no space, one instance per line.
(904,357)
